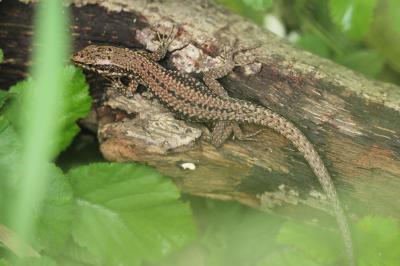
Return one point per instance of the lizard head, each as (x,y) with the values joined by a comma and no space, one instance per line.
(102,59)
(93,55)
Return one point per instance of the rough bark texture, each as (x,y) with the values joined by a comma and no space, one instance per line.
(353,121)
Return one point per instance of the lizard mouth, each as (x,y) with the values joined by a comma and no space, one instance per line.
(99,69)
(83,66)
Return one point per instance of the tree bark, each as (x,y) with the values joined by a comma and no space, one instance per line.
(352,121)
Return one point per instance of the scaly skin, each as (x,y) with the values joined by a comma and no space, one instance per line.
(207,102)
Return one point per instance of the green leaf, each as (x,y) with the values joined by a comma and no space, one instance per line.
(1,55)
(9,152)
(319,245)
(10,148)
(353,16)
(128,213)
(378,240)
(42,261)
(314,44)
(73,254)
(4,96)
(368,62)
(3,262)
(55,215)
(76,104)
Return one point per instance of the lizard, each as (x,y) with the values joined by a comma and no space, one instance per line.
(206,101)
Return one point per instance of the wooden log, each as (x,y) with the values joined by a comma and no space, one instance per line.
(353,121)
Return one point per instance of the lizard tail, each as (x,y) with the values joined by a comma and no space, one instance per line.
(267,118)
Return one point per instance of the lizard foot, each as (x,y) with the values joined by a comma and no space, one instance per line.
(120,86)
(165,41)
(224,129)
(238,133)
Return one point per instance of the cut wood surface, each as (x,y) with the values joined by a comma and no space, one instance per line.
(353,121)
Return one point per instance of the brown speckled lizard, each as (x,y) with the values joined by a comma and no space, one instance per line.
(206,101)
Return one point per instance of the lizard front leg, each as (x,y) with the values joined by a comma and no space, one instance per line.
(223,129)
(125,89)
(210,77)
(165,41)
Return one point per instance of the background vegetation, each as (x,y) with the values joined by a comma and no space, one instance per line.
(360,34)
(57,209)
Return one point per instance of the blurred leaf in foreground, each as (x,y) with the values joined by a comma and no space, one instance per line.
(42,261)
(3,262)
(128,213)
(75,105)
(235,235)
(316,244)
(287,257)
(378,241)
(55,213)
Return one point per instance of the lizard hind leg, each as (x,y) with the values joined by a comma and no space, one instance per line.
(224,129)
(221,132)
(131,88)
(238,133)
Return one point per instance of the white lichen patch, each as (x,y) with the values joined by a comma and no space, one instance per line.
(188,166)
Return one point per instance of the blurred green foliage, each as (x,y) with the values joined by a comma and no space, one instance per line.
(352,17)
(360,34)
(234,235)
